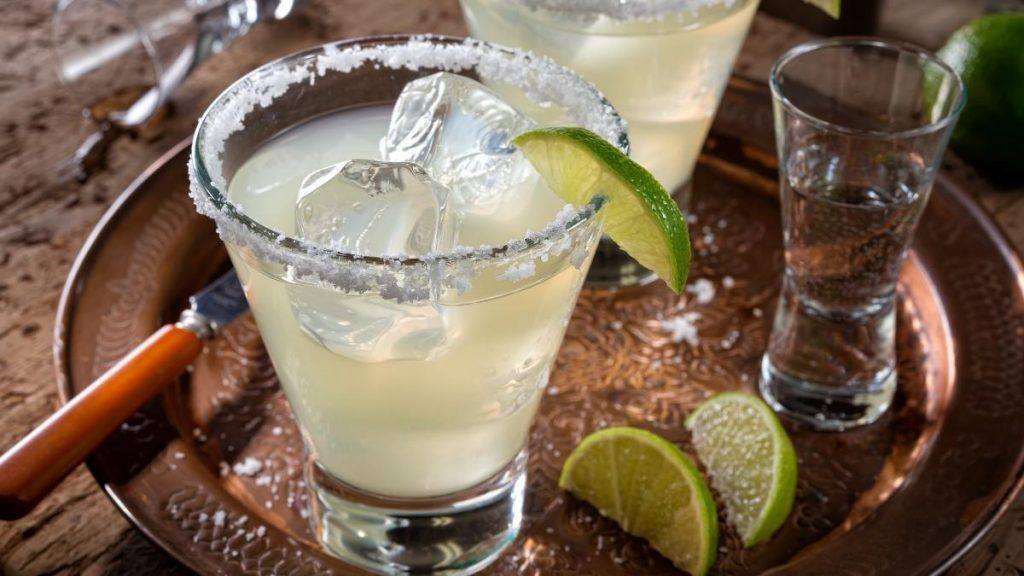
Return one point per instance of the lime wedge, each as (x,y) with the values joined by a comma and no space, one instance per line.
(750,459)
(830,7)
(640,215)
(647,485)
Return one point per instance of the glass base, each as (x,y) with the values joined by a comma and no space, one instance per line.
(826,408)
(450,535)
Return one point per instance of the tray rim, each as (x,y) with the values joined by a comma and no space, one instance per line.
(1011,489)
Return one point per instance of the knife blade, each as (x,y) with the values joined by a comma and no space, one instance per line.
(38,462)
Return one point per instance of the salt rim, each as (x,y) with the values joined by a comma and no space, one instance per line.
(643,10)
(402,279)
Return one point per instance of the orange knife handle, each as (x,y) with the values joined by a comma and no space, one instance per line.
(36,464)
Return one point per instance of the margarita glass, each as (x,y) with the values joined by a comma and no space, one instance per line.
(414,379)
(663,64)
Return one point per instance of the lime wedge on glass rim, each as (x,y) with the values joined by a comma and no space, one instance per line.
(750,459)
(640,215)
(647,485)
(830,7)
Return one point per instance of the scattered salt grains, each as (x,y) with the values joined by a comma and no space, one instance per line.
(218,518)
(728,282)
(248,467)
(261,531)
(203,517)
(276,430)
(730,339)
(757,312)
(263,480)
(179,455)
(703,290)
(616,324)
(682,328)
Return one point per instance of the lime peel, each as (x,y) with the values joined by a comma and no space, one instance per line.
(750,459)
(640,216)
(651,489)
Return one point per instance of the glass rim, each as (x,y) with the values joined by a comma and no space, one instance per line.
(224,208)
(628,11)
(861,41)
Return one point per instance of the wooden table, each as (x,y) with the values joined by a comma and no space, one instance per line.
(43,224)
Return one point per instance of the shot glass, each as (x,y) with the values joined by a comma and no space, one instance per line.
(861,126)
(414,380)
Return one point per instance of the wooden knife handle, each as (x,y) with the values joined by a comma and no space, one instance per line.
(36,464)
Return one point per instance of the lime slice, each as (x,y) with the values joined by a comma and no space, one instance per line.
(647,485)
(640,215)
(750,459)
(830,7)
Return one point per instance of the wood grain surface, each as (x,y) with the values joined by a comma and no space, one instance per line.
(43,224)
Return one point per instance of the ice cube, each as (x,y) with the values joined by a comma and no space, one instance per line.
(368,328)
(375,208)
(372,208)
(461,132)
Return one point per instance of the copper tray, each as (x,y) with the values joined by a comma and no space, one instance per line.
(905,496)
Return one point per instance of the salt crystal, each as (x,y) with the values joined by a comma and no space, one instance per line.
(703,290)
(276,430)
(179,455)
(218,517)
(728,282)
(682,328)
(247,467)
(519,271)
(261,531)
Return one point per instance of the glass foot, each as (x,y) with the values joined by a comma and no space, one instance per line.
(826,408)
(452,535)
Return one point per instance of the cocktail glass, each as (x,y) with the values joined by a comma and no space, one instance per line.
(663,64)
(861,126)
(417,444)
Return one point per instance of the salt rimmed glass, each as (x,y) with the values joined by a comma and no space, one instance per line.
(416,464)
(663,64)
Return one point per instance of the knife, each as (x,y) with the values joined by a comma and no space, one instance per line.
(35,466)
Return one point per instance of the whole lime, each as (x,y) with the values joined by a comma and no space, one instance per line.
(989,55)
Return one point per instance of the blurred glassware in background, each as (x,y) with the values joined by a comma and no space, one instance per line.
(123,72)
(664,65)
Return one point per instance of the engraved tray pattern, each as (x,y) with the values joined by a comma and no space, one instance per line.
(904,496)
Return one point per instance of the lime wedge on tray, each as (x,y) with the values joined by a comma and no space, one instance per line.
(647,485)
(640,215)
(750,459)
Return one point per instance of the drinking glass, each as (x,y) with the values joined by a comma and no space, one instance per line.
(861,126)
(663,65)
(123,58)
(417,460)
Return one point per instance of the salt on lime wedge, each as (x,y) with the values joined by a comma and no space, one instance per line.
(640,215)
(647,485)
(750,459)
(830,7)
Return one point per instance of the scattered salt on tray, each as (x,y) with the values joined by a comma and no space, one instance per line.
(247,467)
(702,289)
(682,328)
